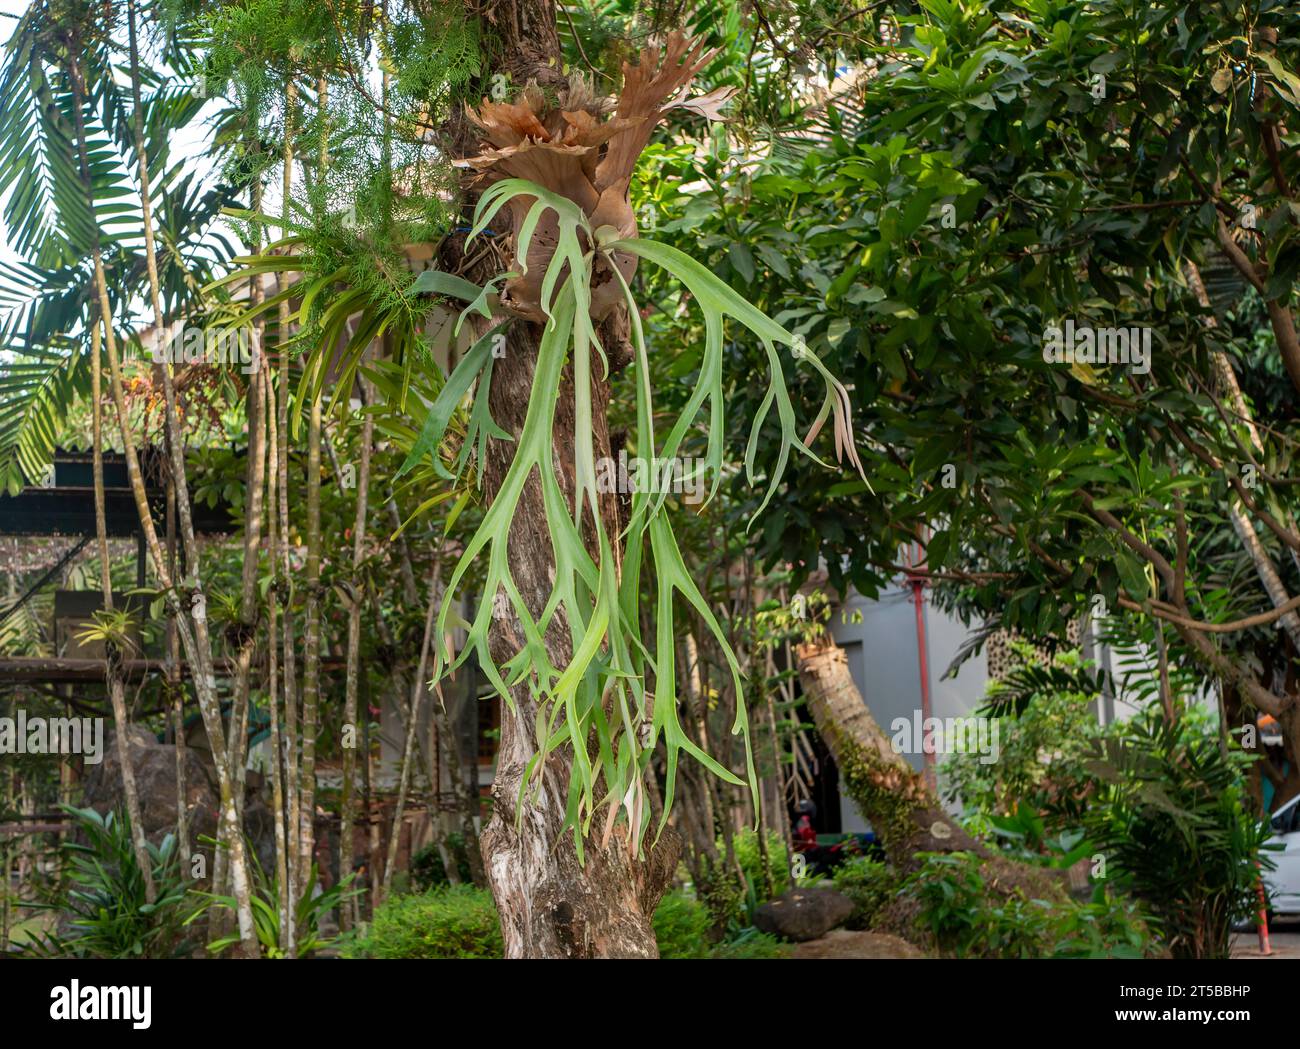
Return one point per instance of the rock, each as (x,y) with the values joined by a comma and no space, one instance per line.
(841,943)
(259,826)
(155,782)
(803,914)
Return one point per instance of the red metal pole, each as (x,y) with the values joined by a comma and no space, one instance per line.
(917,582)
(1262,923)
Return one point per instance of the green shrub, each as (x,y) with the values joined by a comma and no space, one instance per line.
(1165,805)
(428,871)
(314,905)
(681,926)
(1047,733)
(870,884)
(105,904)
(968,920)
(722,896)
(1105,927)
(751,862)
(454,922)
(1170,812)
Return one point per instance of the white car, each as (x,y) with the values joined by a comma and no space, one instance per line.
(1283,883)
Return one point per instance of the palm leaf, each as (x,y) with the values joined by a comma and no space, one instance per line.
(38,386)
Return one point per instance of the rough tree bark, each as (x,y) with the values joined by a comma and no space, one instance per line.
(552,905)
(891,794)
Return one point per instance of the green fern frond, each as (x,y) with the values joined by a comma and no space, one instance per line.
(601,693)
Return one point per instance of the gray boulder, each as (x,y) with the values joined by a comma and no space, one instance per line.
(803,914)
(155,782)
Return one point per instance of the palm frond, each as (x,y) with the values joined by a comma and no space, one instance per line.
(38,386)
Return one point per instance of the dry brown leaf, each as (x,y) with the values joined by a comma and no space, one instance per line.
(575,149)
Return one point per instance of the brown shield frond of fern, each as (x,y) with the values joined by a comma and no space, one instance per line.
(585,148)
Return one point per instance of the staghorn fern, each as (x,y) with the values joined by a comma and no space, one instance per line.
(601,693)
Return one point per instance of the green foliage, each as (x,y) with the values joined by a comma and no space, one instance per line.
(257,44)
(871,884)
(918,230)
(1170,813)
(50,218)
(1046,734)
(474,370)
(312,907)
(461,922)
(938,213)
(428,870)
(601,693)
(1164,807)
(953,904)
(726,899)
(219,477)
(38,387)
(54,215)
(105,904)
(455,922)
(113,628)
(745,842)
(751,944)
(682,926)
(385,183)
(966,919)
(1026,834)
(432,48)
(254,46)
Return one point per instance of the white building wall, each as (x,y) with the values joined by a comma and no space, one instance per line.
(883,654)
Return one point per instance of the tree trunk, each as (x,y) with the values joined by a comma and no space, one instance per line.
(197,643)
(311,651)
(551,904)
(296,876)
(112,657)
(249,613)
(903,810)
(347,854)
(279,766)
(312,627)
(175,691)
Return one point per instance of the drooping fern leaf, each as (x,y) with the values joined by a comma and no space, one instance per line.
(602,692)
